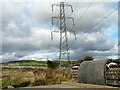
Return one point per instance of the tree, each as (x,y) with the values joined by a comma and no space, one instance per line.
(52,64)
(88,58)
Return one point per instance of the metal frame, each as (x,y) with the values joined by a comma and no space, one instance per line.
(63,47)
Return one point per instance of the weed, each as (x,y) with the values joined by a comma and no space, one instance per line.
(35,77)
(39,82)
(21,84)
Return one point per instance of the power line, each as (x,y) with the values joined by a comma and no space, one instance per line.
(101,20)
(82,14)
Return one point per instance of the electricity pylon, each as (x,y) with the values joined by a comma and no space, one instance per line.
(63,48)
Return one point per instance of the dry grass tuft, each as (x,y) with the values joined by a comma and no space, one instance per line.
(34,77)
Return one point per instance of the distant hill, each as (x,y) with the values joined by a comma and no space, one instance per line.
(26,63)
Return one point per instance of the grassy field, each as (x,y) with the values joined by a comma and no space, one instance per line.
(34,63)
(26,63)
(34,77)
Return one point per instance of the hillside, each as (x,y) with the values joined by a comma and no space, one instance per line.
(26,63)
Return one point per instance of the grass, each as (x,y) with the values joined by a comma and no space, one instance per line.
(35,63)
(26,63)
(5,83)
(0,81)
(34,77)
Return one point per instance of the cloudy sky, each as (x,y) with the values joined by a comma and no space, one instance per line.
(26,30)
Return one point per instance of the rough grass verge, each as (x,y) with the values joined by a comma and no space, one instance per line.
(35,77)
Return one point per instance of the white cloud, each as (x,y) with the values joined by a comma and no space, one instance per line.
(8,56)
(26,28)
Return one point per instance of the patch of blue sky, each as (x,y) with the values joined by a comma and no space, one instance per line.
(113,4)
(110,5)
(26,14)
(47,26)
(114,32)
(114,35)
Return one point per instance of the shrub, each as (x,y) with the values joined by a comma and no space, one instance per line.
(88,58)
(52,64)
(39,82)
(20,81)
(42,77)
(21,84)
(5,83)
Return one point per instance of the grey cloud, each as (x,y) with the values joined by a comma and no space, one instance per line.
(23,34)
(95,41)
(38,40)
(78,54)
(93,15)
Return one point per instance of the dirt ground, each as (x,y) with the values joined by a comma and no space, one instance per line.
(75,85)
(81,85)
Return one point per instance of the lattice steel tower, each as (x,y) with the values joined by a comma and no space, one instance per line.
(63,49)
